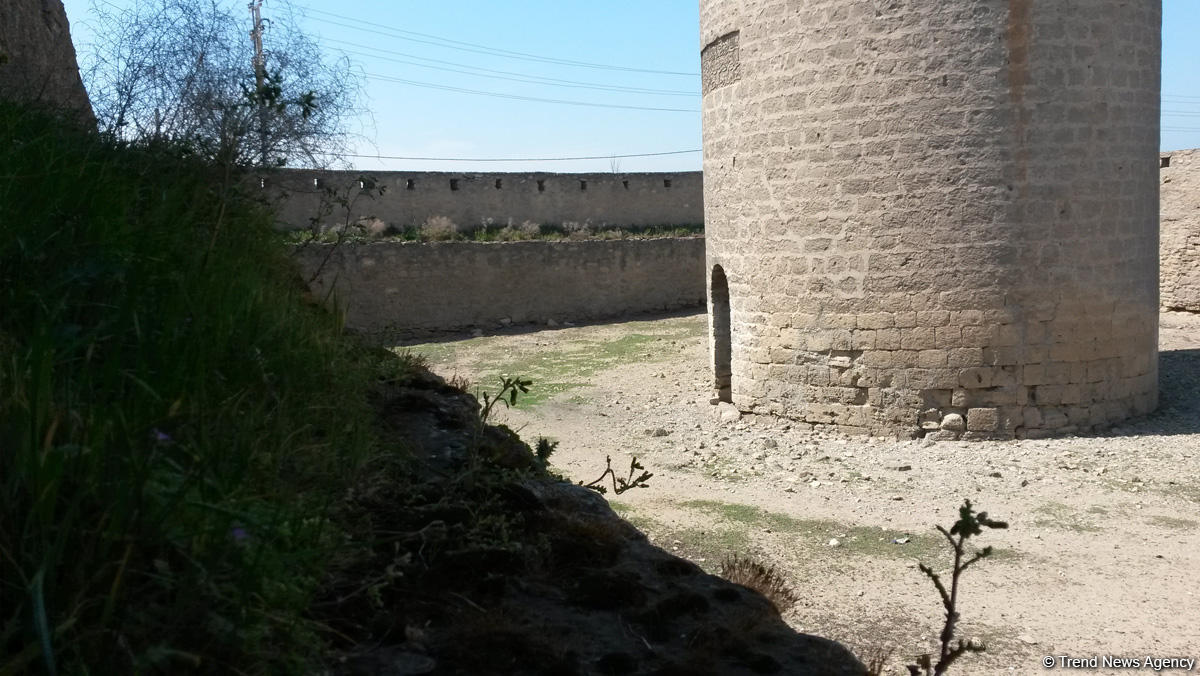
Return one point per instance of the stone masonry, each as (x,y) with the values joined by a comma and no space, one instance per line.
(37,59)
(934,218)
(1180,255)
(472,199)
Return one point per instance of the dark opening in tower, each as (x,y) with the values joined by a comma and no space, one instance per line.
(722,339)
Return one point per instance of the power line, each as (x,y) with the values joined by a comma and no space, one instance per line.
(518,77)
(523,159)
(516,97)
(479,49)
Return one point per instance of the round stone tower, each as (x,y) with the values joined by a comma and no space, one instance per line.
(933,217)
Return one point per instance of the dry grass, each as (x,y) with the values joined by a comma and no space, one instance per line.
(761,578)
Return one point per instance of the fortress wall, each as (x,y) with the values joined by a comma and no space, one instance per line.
(471,199)
(1180,238)
(407,289)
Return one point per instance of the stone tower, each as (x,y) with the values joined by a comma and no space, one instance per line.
(37,59)
(933,217)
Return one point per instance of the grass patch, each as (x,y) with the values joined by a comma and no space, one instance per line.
(1172,522)
(1062,517)
(572,364)
(175,418)
(444,230)
(623,509)
(815,534)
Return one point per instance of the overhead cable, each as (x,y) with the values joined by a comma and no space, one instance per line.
(524,159)
(425,38)
(518,77)
(517,97)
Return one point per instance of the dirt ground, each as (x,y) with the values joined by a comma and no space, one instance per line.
(1102,556)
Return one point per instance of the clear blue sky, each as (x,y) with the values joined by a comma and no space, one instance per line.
(661,35)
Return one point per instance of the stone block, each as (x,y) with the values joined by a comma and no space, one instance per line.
(983,419)
(975,377)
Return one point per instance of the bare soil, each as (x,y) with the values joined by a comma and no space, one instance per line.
(1102,553)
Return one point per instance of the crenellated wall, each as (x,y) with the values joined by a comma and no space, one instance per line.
(471,199)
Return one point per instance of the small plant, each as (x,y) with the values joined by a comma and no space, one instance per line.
(763,579)
(509,389)
(969,524)
(620,485)
(544,449)
(439,228)
(878,659)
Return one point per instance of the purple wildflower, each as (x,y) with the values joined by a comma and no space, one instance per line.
(160,436)
(239,534)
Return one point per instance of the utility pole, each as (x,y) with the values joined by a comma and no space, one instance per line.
(259,60)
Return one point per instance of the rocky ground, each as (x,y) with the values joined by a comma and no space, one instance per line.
(1104,536)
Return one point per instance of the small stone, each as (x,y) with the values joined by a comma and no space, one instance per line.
(833,542)
(770,443)
(897,497)
(477,333)
(660,432)
(996,475)
(954,422)
(904,468)
(728,412)
(506,321)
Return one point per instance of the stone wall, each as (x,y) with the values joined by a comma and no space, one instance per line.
(408,289)
(470,199)
(935,217)
(1180,238)
(37,59)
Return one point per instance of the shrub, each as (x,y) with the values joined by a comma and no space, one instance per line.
(439,229)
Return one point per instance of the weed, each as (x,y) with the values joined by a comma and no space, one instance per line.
(509,389)
(743,570)
(620,485)
(439,229)
(878,659)
(969,524)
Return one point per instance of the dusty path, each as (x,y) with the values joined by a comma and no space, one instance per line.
(1103,553)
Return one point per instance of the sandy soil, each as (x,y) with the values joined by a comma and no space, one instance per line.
(1102,557)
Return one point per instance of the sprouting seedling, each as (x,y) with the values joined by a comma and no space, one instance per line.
(969,524)
(509,389)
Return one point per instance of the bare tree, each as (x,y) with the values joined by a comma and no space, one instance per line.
(183,70)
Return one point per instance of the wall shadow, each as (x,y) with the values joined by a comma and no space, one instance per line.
(529,327)
(1178,409)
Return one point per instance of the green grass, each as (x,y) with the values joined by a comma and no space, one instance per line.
(554,371)
(174,422)
(815,534)
(1062,517)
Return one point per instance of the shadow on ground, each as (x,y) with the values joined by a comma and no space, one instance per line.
(1178,409)
(523,328)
